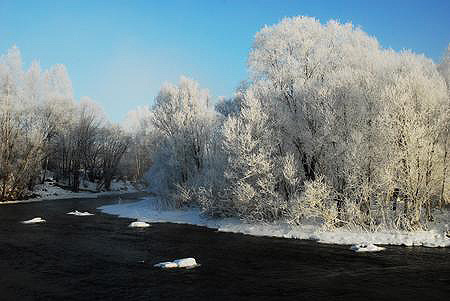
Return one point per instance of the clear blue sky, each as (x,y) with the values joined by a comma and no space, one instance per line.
(120,52)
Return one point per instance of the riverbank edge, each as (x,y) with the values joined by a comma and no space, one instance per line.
(85,196)
(432,238)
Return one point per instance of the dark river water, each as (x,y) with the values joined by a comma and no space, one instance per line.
(99,258)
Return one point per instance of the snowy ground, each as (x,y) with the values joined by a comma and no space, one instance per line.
(146,210)
(48,191)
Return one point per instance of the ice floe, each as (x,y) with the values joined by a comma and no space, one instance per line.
(166,265)
(139,225)
(35,220)
(366,248)
(179,263)
(78,213)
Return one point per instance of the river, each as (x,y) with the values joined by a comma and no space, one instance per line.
(100,258)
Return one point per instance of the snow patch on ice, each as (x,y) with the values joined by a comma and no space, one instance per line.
(78,213)
(139,225)
(35,220)
(186,262)
(179,263)
(166,265)
(147,210)
(366,248)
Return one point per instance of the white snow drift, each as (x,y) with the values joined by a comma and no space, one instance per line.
(35,220)
(139,225)
(147,210)
(78,213)
(179,263)
(48,191)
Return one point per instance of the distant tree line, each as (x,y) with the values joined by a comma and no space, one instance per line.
(44,130)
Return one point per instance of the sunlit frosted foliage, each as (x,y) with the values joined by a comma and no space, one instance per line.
(138,159)
(366,123)
(21,147)
(43,129)
(183,120)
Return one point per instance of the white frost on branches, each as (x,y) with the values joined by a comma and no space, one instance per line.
(329,126)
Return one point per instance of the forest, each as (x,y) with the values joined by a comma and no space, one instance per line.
(44,131)
(328,126)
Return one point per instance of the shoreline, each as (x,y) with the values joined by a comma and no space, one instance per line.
(148,212)
(82,196)
(101,258)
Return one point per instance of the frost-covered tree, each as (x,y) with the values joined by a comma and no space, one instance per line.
(43,129)
(183,119)
(365,123)
(84,142)
(232,106)
(88,148)
(309,71)
(56,112)
(137,160)
(252,167)
(444,69)
(21,147)
(415,116)
(444,66)
(315,82)
(113,145)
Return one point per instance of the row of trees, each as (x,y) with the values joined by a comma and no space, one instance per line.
(329,125)
(43,130)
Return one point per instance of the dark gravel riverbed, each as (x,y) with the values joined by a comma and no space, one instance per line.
(99,258)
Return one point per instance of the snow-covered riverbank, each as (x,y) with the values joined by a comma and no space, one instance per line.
(49,191)
(146,210)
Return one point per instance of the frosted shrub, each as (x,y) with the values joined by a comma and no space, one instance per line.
(249,143)
(320,201)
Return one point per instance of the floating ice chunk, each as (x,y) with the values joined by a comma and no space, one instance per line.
(185,262)
(35,220)
(166,265)
(366,248)
(78,213)
(179,263)
(139,225)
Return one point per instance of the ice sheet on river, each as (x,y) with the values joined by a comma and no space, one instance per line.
(147,210)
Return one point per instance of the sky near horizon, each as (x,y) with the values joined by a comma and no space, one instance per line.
(120,52)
